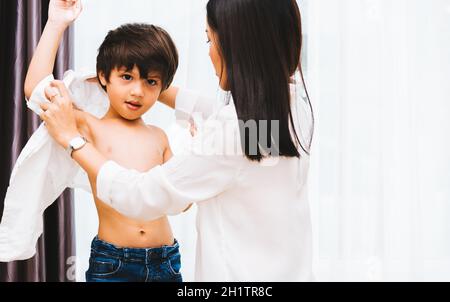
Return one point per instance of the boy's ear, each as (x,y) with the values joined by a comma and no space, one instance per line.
(101,76)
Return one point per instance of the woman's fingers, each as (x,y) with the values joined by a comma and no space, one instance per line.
(61,88)
(49,107)
(45,108)
(64,95)
(51,92)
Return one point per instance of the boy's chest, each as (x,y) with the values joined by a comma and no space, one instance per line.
(132,149)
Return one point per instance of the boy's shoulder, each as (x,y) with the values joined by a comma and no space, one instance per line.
(158,132)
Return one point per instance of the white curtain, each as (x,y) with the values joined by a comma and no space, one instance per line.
(380,182)
(377,71)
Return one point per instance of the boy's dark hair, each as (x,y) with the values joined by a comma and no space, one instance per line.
(148,47)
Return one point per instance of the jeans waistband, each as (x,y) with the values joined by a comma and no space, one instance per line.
(136,254)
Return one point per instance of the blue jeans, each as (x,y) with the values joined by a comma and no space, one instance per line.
(109,263)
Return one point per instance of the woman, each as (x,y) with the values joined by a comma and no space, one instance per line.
(253,219)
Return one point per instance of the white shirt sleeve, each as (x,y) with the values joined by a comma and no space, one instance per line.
(38,95)
(87,96)
(166,189)
(204,170)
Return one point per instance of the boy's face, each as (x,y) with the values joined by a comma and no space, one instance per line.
(130,95)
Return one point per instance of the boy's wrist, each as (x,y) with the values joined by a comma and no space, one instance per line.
(57,25)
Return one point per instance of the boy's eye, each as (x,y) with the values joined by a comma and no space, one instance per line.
(152,82)
(127,77)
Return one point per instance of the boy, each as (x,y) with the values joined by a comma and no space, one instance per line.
(136,62)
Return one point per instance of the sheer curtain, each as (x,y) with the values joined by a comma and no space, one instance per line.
(379,182)
(380,190)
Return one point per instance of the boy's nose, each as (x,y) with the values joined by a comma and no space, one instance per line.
(137,89)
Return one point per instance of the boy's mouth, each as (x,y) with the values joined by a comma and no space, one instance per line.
(133,105)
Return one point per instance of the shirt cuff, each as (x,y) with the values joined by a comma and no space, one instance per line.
(38,95)
(105,181)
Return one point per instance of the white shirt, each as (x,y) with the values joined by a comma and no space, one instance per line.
(253,221)
(43,171)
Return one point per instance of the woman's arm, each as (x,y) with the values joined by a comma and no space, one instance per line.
(61,14)
(168,189)
(61,121)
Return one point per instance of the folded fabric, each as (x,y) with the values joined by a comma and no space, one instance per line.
(44,170)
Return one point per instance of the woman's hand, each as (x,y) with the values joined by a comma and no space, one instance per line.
(64,12)
(59,115)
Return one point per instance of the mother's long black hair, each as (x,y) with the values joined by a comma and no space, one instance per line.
(260,42)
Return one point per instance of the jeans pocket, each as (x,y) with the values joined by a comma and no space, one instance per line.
(174,265)
(104,266)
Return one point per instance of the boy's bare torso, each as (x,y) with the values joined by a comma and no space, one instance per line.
(135,146)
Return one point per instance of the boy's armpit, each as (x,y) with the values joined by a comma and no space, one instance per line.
(83,124)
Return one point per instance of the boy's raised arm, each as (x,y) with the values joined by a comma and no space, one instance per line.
(169,96)
(60,15)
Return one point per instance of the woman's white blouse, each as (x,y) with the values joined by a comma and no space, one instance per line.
(253,220)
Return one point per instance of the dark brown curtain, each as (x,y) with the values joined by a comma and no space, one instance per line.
(21,25)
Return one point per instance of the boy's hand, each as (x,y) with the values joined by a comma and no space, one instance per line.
(64,12)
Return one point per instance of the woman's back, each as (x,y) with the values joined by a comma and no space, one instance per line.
(259,229)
